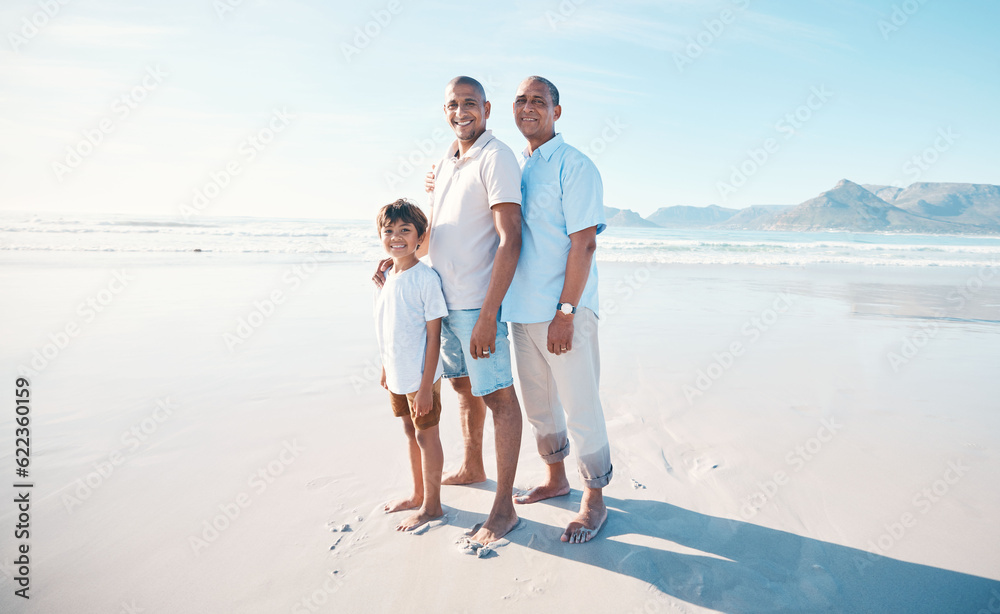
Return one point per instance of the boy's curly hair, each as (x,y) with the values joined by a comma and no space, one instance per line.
(404,211)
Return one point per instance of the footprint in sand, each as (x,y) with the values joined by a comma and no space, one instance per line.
(702,466)
(467,545)
(321,482)
(349,533)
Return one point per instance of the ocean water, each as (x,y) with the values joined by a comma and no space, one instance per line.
(25,232)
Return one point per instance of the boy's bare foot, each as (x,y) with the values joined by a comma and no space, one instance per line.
(495,528)
(419,519)
(463,476)
(542,492)
(412,503)
(593,514)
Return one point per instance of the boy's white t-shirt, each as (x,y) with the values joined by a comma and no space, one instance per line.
(403,306)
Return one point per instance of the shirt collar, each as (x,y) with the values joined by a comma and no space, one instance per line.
(548,148)
(476,148)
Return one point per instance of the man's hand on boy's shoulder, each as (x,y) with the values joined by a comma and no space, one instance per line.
(379,276)
(429,179)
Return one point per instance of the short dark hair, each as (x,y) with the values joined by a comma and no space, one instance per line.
(552,87)
(463,80)
(402,211)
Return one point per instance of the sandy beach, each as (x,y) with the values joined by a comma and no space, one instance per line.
(208,435)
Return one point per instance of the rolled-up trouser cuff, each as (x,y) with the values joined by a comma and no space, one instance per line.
(558,442)
(600,482)
(596,469)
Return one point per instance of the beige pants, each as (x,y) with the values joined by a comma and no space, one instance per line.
(561,396)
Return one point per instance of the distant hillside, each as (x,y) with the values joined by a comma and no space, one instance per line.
(680,216)
(952,208)
(848,206)
(962,203)
(888,193)
(753,217)
(626,218)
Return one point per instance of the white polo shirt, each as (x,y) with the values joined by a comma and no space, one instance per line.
(463,241)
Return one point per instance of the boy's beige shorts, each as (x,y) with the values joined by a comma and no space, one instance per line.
(402,405)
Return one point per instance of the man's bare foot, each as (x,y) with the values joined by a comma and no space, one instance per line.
(542,492)
(495,528)
(593,514)
(412,503)
(464,476)
(419,519)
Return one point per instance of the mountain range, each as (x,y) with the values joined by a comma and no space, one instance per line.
(937,208)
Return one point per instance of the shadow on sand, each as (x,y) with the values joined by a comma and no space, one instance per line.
(735,566)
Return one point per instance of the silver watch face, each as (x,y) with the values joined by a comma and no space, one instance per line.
(566,308)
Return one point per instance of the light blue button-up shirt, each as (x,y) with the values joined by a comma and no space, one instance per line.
(561,193)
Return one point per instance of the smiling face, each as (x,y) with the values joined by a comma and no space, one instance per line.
(534,113)
(466,111)
(400,241)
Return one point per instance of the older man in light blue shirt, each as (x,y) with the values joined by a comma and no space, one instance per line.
(552,305)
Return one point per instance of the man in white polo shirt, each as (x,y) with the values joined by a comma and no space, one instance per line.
(552,307)
(474,244)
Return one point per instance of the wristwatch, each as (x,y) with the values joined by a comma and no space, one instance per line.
(566,308)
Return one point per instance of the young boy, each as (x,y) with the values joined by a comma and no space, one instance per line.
(408,312)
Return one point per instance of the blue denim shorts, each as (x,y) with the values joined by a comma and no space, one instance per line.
(485,374)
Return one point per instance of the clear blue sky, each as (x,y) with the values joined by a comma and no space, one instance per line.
(667,97)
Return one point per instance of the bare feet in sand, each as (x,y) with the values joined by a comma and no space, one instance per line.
(556,484)
(593,514)
(419,519)
(495,528)
(464,476)
(412,503)
(542,492)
